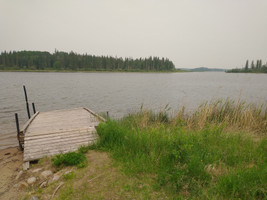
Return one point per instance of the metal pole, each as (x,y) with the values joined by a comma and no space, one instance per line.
(28,110)
(25,92)
(27,104)
(33,108)
(17,125)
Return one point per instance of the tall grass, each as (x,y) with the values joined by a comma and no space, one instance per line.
(194,155)
(234,114)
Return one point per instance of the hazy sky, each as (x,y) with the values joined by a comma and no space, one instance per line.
(191,33)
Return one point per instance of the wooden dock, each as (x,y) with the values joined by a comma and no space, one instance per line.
(59,131)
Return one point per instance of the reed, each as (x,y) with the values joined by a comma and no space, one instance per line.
(234,115)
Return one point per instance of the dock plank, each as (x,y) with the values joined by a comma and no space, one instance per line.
(59,131)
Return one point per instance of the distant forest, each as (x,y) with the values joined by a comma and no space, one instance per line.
(38,60)
(253,67)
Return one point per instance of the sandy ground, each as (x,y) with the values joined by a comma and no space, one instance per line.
(11,160)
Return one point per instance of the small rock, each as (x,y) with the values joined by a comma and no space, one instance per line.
(56,177)
(19,175)
(31,180)
(43,184)
(16,186)
(34,198)
(45,174)
(36,170)
(23,185)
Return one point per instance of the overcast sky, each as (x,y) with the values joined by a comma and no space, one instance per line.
(191,33)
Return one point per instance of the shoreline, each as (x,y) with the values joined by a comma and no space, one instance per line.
(8,147)
(94,71)
(8,140)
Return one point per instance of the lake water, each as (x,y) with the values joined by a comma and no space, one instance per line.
(118,93)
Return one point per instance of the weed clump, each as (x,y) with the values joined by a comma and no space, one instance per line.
(73,158)
(70,159)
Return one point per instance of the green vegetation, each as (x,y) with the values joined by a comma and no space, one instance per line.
(69,176)
(69,159)
(218,152)
(258,68)
(62,61)
(205,69)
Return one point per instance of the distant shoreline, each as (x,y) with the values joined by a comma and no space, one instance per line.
(243,72)
(59,60)
(94,71)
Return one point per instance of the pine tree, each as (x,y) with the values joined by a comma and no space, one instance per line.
(260,64)
(257,64)
(246,66)
(252,65)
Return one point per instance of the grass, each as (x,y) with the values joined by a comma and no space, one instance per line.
(77,159)
(69,176)
(211,153)
(70,159)
(100,179)
(237,115)
(217,152)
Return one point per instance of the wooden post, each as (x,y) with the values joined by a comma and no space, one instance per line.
(33,108)
(107,115)
(18,131)
(27,104)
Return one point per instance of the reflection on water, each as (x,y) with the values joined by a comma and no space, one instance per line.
(118,93)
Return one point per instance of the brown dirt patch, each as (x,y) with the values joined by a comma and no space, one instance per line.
(11,160)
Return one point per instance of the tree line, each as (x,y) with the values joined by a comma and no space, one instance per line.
(253,67)
(42,60)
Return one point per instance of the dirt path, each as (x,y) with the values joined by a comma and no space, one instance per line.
(10,164)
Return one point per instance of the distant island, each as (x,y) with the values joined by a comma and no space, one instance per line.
(63,61)
(251,68)
(204,69)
